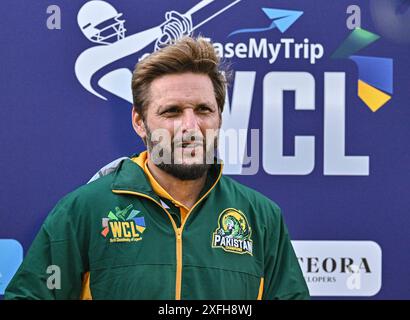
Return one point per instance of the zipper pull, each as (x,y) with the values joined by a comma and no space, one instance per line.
(179,234)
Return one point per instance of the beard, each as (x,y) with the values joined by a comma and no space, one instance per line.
(162,150)
(185,171)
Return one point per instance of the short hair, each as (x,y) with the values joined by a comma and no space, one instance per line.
(188,54)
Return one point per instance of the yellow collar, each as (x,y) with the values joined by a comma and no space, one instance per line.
(142,160)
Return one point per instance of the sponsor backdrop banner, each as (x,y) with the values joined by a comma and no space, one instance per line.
(318,109)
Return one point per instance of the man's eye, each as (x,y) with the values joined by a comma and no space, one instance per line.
(204,109)
(171,111)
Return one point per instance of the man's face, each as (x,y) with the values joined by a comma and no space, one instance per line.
(181,124)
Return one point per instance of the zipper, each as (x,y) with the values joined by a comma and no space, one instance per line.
(178,235)
(178,283)
(178,231)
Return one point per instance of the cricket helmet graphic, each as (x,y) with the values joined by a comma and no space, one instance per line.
(99,21)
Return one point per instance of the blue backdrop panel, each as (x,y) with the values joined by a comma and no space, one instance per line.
(65,110)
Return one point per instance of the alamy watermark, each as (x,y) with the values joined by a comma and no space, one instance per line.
(54,280)
(53,21)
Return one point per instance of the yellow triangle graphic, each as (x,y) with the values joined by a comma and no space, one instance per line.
(372,97)
(139,228)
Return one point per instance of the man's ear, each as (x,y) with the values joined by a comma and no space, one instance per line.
(138,124)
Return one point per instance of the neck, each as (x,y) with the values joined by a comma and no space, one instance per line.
(184,191)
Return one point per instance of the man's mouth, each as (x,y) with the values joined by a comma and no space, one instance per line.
(190,145)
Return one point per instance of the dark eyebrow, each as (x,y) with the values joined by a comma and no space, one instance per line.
(165,108)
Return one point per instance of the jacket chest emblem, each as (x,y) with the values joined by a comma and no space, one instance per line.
(123,225)
(233,233)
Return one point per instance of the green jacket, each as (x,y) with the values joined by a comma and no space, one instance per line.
(116,237)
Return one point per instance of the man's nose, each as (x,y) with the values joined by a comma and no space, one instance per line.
(189,120)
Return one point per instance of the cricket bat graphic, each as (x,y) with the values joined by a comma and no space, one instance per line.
(97,57)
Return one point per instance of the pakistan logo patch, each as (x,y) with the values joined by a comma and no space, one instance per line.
(123,225)
(233,233)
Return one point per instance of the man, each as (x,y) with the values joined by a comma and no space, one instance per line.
(166,224)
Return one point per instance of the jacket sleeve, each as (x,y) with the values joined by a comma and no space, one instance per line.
(283,276)
(54,265)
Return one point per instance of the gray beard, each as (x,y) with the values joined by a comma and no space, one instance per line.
(182,171)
